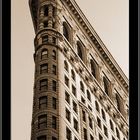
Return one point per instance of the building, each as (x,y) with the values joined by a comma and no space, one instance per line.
(80,92)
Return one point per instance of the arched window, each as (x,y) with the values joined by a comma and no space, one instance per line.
(79,50)
(46,11)
(54,54)
(65,31)
(66,67)
(73,75)
(106,85)
(88,95)
(93,68)
(82,87)
(97,106)
(44,53)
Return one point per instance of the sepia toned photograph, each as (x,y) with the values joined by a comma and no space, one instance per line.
(70,70)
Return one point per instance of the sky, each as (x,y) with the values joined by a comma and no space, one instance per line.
(109,18)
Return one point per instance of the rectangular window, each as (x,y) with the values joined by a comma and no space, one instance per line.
(67,97)
(105,131)
(66,81)
(90,123)
(68,133)
(54,69)
(91,137)
(42,137)
(103,115)
(43,102)
(75,124)
(100,137)
(90,107)
(113,138)
(53,122)
(85,134)
(84,115)
(82,100)
(54,138)
(54,85)
(68,115)
(99,122)
(73,90)
(44,84)
(54,103)
(42,121)
(75,138)
(74,106)
(117,133)
(44,68)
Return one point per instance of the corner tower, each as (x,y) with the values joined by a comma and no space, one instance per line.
(80,92)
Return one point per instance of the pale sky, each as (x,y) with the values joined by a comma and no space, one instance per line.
(109,18)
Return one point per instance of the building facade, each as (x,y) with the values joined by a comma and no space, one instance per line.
(80,92)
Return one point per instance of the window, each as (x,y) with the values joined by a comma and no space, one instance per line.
(42,137)
(97,106)
(117,133)
(42,121)
(66,81)
(100,137)
(103,115)
(45,26)
(90,107)
(68,134)
(54,69)
(43,102)
(82,87)
(111,125)
(67,97)
(46,11)
(106,85)
(54,54)
(73,90)
(79,50)
(84,115)
(91,137)
(75,124)
(53,122)
(54,138)
(88,95)
(54,85)
(65,31)
(68,116)
(93,68)
(85,134)
(98,122)
(66,67)
(44,53)
(118,101)
(54,103)
(43,68)
(73,75)
(113,138)
(75,138)
(83,100)
(74,106)
(45,37)
(53,38)
(90,123)
(105,131)
(44,84)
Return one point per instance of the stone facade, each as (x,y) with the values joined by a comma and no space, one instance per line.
(80,93)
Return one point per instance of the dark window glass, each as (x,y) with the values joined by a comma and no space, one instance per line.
(54,69)
(44,84)
(117,133)
(73,75)
(53,122)
(54,138)
(98,122)
(46,11)
(105,131)
(74,106)
(85,134)
(83,100)
(65,31)
(91,137)
(82,87)
(97,106)
(54,54)
(73,90)
(42,121)
(54,103)
(75,124)
(84,115)
(90,123)
(54,85)
(43,102)
(79,50)
(113,138)
(88,95)
(106,85)
(90,107)
(100,137)
(68,115)
(67,97)
(44,68)
(66,65)
(103,115)
(45,26)
(42,137)
(44,54)
(68,134)
(111,125)
(93,68)
(66,81)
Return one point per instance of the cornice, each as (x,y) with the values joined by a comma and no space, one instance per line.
(103,51)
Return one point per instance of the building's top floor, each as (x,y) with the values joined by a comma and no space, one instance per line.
(74,9)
